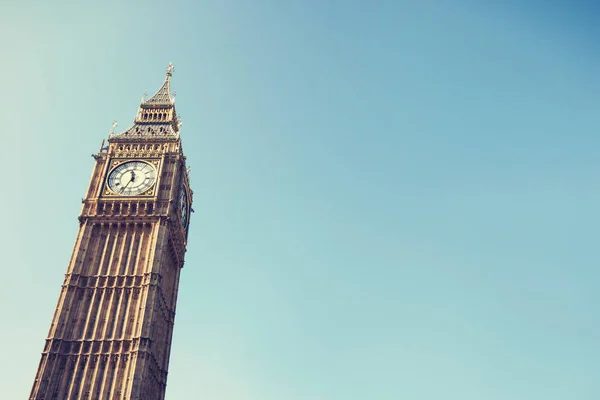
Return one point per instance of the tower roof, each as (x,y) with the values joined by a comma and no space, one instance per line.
(163,96)
(156,118)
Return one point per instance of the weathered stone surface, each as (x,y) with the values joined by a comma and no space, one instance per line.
(110,336)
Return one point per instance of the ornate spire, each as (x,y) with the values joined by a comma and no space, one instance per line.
(156,118)
(163,96)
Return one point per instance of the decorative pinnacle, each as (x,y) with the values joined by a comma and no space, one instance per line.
(170,69)
(112,130)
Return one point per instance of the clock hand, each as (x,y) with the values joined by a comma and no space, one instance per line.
(125,187)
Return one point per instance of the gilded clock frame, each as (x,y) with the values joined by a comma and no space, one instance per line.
(184,185)
(115,162)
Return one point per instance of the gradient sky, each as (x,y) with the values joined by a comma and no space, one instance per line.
(394,199)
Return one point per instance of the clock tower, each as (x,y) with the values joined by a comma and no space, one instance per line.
(110,337)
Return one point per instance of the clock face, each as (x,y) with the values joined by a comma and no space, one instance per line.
(183,206)
(132,178)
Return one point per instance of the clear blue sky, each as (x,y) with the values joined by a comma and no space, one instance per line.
(394,199)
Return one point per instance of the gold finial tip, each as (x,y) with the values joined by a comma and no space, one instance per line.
(170,69)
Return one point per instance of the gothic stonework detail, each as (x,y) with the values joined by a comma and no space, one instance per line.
(110,337)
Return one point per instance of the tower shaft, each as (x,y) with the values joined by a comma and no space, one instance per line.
(110,337)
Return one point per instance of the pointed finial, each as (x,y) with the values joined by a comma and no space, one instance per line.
(170,69)
(112,130)
(144,97)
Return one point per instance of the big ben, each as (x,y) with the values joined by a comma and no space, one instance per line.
(110,336)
